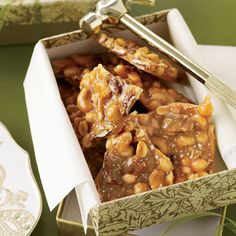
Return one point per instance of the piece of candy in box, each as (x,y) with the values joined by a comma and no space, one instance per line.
(132,164)
(141,57)
(185,133)
(105,99)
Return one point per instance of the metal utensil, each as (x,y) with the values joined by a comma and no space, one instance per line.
(117,10)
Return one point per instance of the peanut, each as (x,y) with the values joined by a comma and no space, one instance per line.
(185,141)
(170,178)
(193,176)
(90,117)
(200,120)
(186,170)
(141,150)
(135,78)
(153,57)
(155,179)
(83,100)
(202,137)
(123,141)
(165,164)
(160,144)
(141,51)
(199,165)
(113,112)
(86,141)
(121,70)
(140,187)
(140,133)
(83,128)
(163,110)
(205,108)
(128,152)
(129,178)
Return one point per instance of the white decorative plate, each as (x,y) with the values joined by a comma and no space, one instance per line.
(20,199)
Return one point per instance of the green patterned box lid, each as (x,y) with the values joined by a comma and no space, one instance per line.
(27,12)
(24,21)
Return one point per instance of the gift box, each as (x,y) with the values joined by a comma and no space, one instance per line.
(60,159)
(31,20)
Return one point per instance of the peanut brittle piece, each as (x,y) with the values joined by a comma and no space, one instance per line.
(140,57)
(155,92)
(132,164)
(105,99)
(185,133)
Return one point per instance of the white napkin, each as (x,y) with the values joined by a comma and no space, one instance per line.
(60,161)
(213,61)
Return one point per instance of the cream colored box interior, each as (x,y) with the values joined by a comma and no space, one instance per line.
(60,159)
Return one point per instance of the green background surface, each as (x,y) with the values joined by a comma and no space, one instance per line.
(211,22)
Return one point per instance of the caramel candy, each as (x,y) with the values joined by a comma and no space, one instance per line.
(132,164)
(185,133)
(140,57)
(105,99)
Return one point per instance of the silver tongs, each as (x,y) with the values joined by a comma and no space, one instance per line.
(116,10)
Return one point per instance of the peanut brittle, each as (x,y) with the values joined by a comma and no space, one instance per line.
(134,153)
(155,93)
(132,164)
(105,99)
(140,57)
(185,133)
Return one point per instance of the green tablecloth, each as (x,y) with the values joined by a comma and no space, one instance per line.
(211,22)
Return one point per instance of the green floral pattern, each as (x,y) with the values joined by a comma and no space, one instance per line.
(166,203)
(16,12)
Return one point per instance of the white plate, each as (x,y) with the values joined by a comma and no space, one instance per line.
(20,199)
